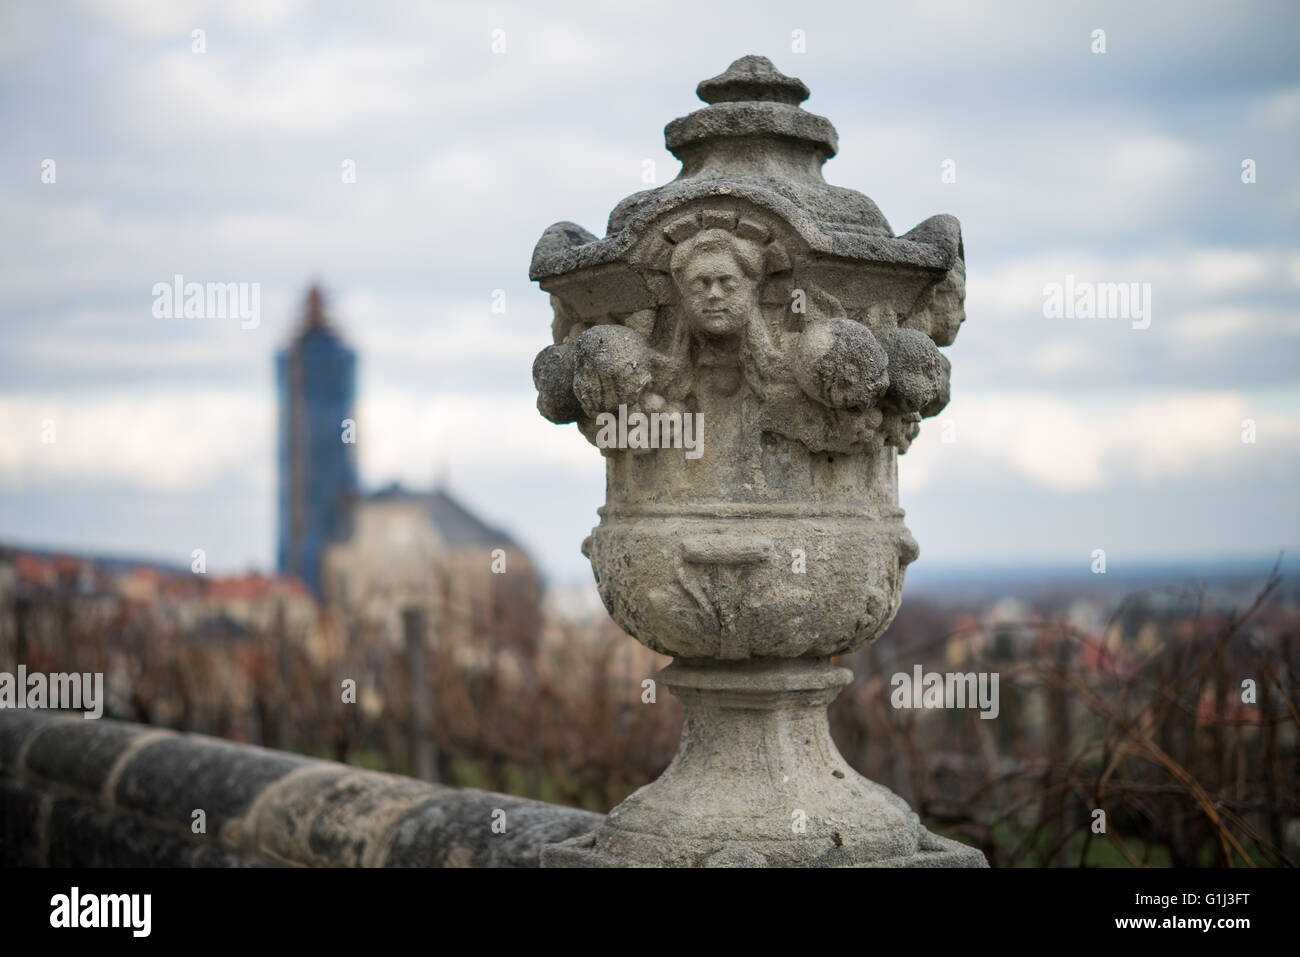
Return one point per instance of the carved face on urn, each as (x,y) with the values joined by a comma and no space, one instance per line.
(717,278)
(948,306)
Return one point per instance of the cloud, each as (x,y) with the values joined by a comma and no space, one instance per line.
(1060,355)
(162,441)
(1069,446)
(192,440)
(468,437)
(1014,287)
(160,18)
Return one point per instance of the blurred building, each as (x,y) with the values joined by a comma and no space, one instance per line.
(316,385)
(472,584)
(395,560)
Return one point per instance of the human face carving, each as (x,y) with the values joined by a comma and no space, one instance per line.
(947,308)
(717,296)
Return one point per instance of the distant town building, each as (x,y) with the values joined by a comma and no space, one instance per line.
(424,551)
(316,385)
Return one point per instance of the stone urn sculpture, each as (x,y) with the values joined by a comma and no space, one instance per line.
(751,349)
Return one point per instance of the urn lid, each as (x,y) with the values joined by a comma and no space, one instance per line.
(754,143)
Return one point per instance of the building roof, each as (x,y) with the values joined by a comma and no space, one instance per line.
(456,524)
(34,559)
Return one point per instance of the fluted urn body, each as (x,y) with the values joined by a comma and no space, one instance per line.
(751,349)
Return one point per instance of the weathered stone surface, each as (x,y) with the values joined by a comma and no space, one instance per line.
(171,777)
(78,753)
(553,374)
(16,729)
(919,381)
(784,319)
(462,834)
(109,794)
(86,835)
(21,823)
(749,79)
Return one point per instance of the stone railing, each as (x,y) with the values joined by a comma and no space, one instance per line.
(78,793)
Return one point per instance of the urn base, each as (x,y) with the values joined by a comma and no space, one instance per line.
(757,782)
(932,851)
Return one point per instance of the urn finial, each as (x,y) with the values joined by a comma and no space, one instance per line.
(752,79)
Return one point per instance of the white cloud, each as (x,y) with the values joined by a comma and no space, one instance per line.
(1068,446)
(1217,270)
(1061,355)
(1014,288)
(1210,325)
(416,440)
(217,94)
(1278,109)
(191,441)
(159,18)
(172,442)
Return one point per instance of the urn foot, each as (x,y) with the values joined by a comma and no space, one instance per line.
(757,782)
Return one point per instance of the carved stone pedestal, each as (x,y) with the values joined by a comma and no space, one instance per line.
(751,349)
(758,782)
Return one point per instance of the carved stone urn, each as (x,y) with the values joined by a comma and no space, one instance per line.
(751,349)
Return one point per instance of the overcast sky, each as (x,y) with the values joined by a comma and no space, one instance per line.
(225,165)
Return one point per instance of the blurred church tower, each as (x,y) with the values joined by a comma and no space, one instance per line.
(316,385)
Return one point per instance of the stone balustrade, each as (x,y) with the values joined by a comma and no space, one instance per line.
(78,793)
